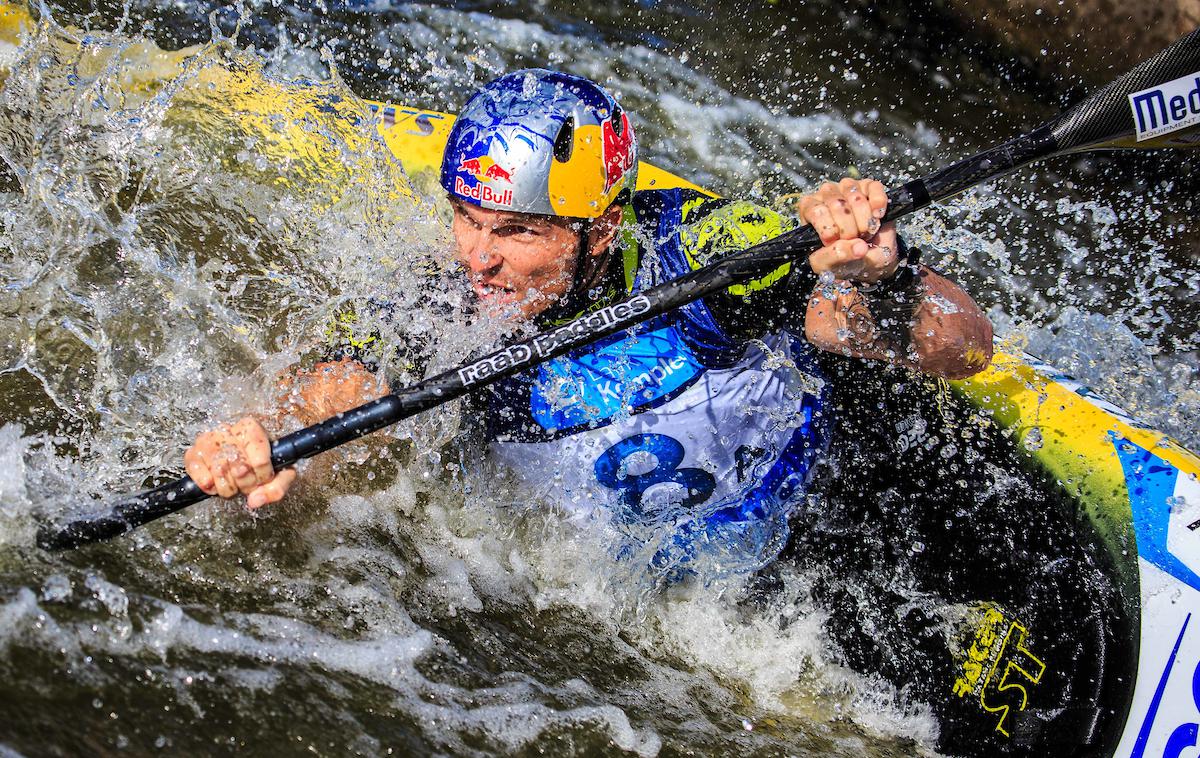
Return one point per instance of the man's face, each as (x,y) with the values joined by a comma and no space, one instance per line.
(515,261)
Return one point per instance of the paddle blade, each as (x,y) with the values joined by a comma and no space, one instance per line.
(1156,104)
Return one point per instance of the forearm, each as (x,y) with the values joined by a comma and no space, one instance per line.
(932,326)
(329,388)
(308,397)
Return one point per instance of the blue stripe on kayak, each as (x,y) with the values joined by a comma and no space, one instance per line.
(1150,481)
(1139,747)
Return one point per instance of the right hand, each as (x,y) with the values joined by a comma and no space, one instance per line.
(235,459)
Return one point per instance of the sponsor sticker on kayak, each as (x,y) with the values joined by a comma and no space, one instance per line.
(999,669)
(1166,108)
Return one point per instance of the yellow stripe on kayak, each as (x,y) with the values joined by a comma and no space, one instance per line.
(1074,440)
(12,21)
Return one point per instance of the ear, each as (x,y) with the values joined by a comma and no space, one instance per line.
(604,230)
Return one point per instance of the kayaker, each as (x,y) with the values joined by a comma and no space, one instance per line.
(697,431)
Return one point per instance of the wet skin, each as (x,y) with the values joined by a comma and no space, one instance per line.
(517,263)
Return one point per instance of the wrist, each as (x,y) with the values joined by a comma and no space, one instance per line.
(894,301)
(907,263)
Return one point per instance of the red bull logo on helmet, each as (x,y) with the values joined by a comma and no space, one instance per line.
(487,173)
(618,149)
(485,169)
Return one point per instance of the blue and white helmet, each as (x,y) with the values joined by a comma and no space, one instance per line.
(538,141)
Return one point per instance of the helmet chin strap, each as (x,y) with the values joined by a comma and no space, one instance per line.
(576,298)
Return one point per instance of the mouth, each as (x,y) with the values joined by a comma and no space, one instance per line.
(494,294)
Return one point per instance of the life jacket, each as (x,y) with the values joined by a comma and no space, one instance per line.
(683,438)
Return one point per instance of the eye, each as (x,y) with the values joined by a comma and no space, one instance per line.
(516,230)
(461,216)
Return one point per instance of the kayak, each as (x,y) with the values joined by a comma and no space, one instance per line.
(1082,668)
(1019,553)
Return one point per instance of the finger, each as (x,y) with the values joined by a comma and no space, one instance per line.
(257,450)
(843,216)
(226,486)
(197,468)
(828,191)
(273,491)
(860,206)
(877,195)
(842,258)
(848,185)
(243,476)
(804,207)
(822,221)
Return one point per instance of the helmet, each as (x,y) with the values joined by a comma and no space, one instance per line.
(538,141)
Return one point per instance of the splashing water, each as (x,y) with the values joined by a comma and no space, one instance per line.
(169,244)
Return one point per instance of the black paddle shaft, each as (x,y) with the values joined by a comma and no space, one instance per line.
(1103,120)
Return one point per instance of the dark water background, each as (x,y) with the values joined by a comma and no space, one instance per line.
(154,284)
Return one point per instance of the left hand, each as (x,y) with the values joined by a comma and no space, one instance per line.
(846,215)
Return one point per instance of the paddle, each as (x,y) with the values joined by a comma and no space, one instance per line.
(1153,103)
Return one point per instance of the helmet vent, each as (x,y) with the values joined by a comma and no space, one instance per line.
(618,123)
(564,143)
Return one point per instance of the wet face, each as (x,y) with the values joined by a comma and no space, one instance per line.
(518,263)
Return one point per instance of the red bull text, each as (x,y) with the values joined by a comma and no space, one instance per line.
(483,193)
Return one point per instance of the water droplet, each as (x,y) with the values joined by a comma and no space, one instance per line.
(1033,439)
